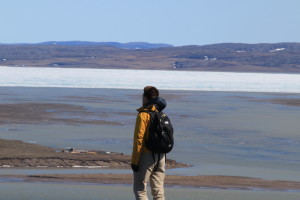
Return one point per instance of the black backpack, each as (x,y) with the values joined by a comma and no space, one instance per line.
(160,138)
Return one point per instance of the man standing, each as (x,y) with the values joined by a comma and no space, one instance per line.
(147,166)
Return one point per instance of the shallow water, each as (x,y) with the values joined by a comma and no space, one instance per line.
(66,191)
(219,133)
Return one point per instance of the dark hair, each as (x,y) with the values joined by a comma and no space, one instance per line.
(150,92)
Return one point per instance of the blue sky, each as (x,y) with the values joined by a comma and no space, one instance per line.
(177,22)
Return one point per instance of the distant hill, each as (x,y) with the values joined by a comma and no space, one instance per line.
(231,57)
(130,45)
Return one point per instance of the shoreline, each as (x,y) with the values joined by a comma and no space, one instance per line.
(130,69)
(163,89)
(208,181)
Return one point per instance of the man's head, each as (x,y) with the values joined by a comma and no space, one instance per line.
(150,92)
(151,97)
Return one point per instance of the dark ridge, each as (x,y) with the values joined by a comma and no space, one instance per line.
(227,57)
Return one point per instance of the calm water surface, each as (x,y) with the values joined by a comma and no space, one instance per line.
(49,191)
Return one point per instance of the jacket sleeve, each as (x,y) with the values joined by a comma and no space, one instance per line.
(141,126)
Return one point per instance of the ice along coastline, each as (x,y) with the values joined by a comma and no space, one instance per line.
(136,79)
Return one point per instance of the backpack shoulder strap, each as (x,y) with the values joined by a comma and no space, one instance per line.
(149,112)
(146,111)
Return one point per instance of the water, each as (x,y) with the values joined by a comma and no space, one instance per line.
(67,191)
(136,79)
(220,133)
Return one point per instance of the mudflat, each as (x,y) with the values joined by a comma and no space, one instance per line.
(222,182)
(39,113)
(19,154)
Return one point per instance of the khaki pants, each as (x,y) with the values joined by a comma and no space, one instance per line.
(146,172)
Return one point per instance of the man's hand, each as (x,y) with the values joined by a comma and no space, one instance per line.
(135,168)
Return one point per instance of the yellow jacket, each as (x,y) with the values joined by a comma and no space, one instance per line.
(140,133)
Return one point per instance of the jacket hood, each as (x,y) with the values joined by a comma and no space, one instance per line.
(159,103)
